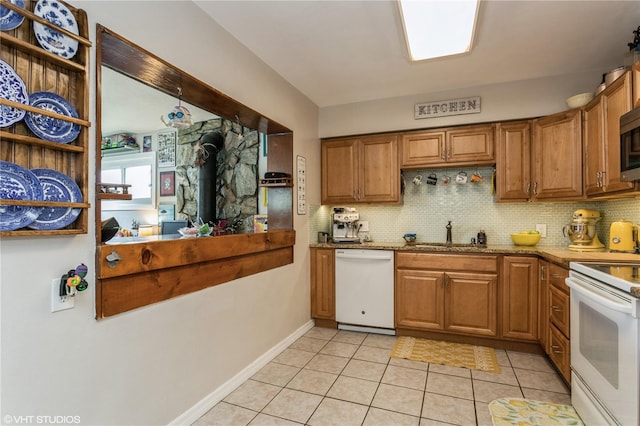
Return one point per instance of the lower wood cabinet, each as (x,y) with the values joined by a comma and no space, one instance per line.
(558,347)
(430,298)
(323,293)
(519,298)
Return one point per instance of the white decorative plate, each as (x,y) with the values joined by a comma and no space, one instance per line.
(10,19)
(18,183)
(56,186)
(11,88)
(50,39)
(49,128)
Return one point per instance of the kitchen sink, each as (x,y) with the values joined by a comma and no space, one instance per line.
(427,245)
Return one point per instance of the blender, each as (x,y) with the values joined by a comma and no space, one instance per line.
(582,230)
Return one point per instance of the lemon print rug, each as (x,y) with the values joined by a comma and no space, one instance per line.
(517,411)
(446,353)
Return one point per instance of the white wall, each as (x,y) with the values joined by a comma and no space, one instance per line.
(507,101)
(151,365)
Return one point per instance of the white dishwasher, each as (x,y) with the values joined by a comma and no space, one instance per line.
(364,290)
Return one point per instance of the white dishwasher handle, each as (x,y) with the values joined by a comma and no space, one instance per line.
(363,256)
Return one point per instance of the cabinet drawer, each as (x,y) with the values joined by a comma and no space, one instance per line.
(557,275)
(560,352)
(559,309)
(447,262)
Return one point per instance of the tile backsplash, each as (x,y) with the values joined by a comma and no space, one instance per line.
(470,207)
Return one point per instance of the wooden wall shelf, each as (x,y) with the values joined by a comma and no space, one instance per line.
(69,78)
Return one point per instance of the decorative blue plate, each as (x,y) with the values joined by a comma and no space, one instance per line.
(50,39)
(56,186)
(50,128)
(18,183)
(11,88)
(10,19)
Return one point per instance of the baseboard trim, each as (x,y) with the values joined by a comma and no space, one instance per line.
(208,402)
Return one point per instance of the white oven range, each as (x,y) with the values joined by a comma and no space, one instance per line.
(605,342)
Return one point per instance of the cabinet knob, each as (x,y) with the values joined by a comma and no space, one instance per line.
(556,349)
(555,308)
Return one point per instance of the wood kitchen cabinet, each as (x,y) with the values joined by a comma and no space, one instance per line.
(602,138)
(513,161)
(361,170)
(540,159)
(443,292)
(557,157)
(461,146)
(323,286)
(543,304)
(559,347)
(519,286)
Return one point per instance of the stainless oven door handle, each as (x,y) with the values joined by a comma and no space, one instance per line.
(599,297)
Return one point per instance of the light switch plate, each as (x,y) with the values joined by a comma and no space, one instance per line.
(542,229)
(59,303)
(364,225)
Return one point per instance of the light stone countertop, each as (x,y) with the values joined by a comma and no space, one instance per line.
(561,254)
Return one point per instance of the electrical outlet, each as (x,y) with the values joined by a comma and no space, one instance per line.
(364,225)
(542,229)
(59,303)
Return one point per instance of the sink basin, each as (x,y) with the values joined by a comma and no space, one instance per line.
(427,245)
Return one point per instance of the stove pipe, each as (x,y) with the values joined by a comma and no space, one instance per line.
(211,143)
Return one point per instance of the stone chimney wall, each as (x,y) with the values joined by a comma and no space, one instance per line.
(236,177)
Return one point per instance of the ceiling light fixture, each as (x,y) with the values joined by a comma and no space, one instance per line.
(436,28)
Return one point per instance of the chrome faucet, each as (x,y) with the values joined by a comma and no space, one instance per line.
(449,240)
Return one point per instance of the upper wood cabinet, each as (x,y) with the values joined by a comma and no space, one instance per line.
(557,157)
(602,138)
(513,161)
(361,170)
(540,159)
(468,145)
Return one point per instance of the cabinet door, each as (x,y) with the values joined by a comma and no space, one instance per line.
(616,101)
(323,284)
(470,145)
(520,298)
(557,152)
(560,352)
(543,304)
(421,149)
(419,299)
(470,303)
(513,161)
(593,147)
(339,171)
(379,171)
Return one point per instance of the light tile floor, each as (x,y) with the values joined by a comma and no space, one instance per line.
(331,377)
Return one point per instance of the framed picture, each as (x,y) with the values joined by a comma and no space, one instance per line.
(167,148)
(302,185)
(147,143)
(166,212)
(167,184)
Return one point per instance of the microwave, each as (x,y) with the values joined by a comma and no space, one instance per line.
(630,145)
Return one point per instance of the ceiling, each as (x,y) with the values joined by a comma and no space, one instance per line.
(339,52)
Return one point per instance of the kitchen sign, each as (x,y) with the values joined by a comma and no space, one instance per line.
(450,107)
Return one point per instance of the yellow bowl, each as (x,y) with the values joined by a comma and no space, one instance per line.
(525,239)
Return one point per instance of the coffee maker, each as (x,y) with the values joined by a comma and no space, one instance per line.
(582,230)
(344,227)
